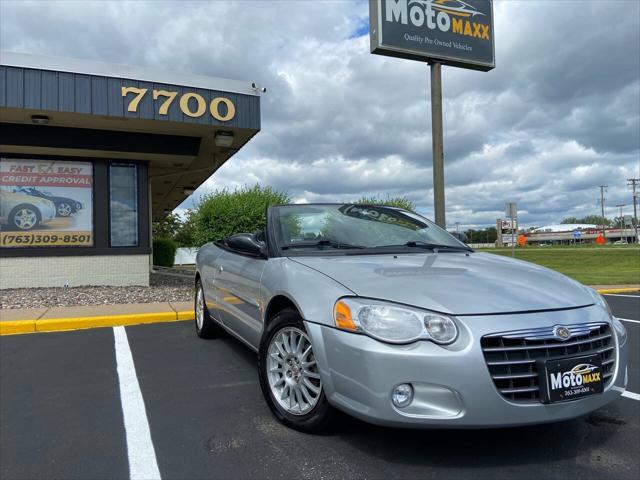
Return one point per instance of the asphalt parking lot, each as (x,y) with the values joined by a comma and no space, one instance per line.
(61,416)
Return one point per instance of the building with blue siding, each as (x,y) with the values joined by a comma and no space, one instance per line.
(91,152)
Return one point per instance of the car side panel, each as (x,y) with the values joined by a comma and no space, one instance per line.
(207,266)
(239,295)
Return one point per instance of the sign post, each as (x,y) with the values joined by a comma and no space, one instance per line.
(439,32)
(437,140)
(511,212)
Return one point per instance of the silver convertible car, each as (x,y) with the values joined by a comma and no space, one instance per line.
(379,313)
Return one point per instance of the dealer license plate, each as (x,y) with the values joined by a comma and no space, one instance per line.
(570,378)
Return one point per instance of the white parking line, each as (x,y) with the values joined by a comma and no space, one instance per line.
(628,320)
(142,456)
(633,396)
(620,295)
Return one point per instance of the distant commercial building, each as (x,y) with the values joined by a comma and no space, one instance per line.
(91,152)
(564,233)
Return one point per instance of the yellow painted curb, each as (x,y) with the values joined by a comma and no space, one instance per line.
(76,323)
(11,327)
(186,315)
(618,290)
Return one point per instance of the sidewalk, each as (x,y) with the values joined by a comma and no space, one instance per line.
(29,320)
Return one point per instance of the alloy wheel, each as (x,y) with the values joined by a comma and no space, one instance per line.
(200,308)
(292,371)
(64,209)
(25,218)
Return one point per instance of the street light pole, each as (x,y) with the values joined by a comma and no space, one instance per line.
(602,190)
(621,219)
(633,182)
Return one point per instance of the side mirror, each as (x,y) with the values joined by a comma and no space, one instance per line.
(247,243)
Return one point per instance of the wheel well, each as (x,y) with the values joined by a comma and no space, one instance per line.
(276,305)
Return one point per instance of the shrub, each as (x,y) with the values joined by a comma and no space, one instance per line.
(400,202)
(224,213)
(164,252)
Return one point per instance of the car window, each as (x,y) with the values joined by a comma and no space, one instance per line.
(303,226)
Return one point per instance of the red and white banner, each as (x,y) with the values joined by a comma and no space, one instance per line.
(45,173)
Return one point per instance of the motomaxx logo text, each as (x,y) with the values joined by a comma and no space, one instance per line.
(444,15)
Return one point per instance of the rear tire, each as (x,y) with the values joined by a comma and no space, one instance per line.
(206,326)
(63,209)
(309,410)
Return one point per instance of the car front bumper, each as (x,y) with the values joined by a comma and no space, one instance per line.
(452,384)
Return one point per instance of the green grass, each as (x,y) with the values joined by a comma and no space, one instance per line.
(608,265)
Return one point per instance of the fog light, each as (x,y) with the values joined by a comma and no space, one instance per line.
(402,395)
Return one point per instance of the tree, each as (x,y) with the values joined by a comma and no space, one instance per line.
(167,227)
(400,202)
(225,212)
(589,219)
(486,235)
(185,236)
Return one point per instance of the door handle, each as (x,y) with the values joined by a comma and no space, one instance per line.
(220,268)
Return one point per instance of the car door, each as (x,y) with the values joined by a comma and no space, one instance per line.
(238,294)
(209,266)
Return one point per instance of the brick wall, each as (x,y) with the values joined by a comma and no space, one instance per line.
(21,272)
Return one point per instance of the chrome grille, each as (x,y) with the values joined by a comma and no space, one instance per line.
(511,356)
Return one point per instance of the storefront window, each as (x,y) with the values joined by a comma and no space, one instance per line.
(123,193)
(45,203)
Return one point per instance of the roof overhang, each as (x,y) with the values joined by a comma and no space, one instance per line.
(90,115)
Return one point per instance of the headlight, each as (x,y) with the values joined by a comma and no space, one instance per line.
(620,331)
(393,323)
(599,300)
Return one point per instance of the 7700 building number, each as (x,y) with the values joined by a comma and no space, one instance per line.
(187,102)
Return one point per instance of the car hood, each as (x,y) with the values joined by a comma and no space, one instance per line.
(455,283)
(21,197)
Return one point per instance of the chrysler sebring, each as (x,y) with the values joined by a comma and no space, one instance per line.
(379,313)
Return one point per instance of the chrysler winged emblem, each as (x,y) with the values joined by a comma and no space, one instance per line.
(561,333)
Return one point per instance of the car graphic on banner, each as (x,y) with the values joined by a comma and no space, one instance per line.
(64,206)
(45,203)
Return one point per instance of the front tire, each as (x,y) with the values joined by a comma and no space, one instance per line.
(24,217)
(289,375)
(206,326)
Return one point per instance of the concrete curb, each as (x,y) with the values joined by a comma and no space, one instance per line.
(618,290)
(12,327)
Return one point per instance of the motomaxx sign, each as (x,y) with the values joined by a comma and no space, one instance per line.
(451,32)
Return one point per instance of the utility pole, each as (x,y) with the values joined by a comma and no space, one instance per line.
(603,188)
(438,144)
(633,183)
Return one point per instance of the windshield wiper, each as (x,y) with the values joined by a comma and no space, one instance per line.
(321,243)
(429,246)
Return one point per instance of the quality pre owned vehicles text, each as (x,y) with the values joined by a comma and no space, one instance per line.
(379,313)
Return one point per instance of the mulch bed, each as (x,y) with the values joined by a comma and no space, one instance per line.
(163,288)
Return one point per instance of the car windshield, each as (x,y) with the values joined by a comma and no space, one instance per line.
(364,229)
